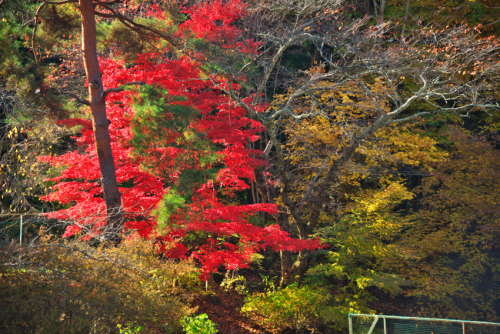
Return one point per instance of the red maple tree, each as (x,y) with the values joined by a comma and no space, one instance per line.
(225,125)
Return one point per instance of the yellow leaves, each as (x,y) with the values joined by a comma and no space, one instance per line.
(372,221)
(343,112)
(411,148)
(377,201)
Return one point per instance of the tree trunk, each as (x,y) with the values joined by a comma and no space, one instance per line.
(404,22)
(300,265)
(293,272)
(210,283)
(112,197)
(375,5)
(382,11)
(379,17)
(286,268)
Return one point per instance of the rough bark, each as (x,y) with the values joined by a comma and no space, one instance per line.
(112,196)
(293,271)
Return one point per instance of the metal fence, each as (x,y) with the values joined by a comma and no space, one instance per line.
(390,324)
(22,227)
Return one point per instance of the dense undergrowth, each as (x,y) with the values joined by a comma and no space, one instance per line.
(55,286)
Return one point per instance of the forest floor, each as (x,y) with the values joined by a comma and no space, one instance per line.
(223,308)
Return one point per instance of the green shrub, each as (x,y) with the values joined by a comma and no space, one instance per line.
(129,328)
(294,306)
(199,324)
(238,283)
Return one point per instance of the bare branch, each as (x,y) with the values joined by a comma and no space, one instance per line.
(74,96)
(270,68)
(27,22)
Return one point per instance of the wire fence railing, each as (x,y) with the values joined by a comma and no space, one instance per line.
(23,228)
(390,324)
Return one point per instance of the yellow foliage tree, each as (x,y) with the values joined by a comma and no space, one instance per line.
(341,115)
(333,118)
(314,144)
(363,250)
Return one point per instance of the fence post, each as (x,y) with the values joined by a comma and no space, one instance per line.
(350,324)
(373,325)
(21,232)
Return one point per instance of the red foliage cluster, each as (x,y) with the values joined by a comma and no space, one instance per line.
(214,22)
(79,187)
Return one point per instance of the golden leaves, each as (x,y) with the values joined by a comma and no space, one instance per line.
(342,113)
(411,148)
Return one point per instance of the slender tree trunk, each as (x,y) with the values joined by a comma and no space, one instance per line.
(382,10)
(379,17)
(287,274)
(210,283)
(404,22)
(112,197)
(286,256)
(375,5)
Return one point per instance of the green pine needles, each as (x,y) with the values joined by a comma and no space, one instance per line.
(168,145)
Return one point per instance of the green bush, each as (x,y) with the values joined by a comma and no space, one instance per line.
(129,328)
(238,283)
(199,324)
(292,307)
